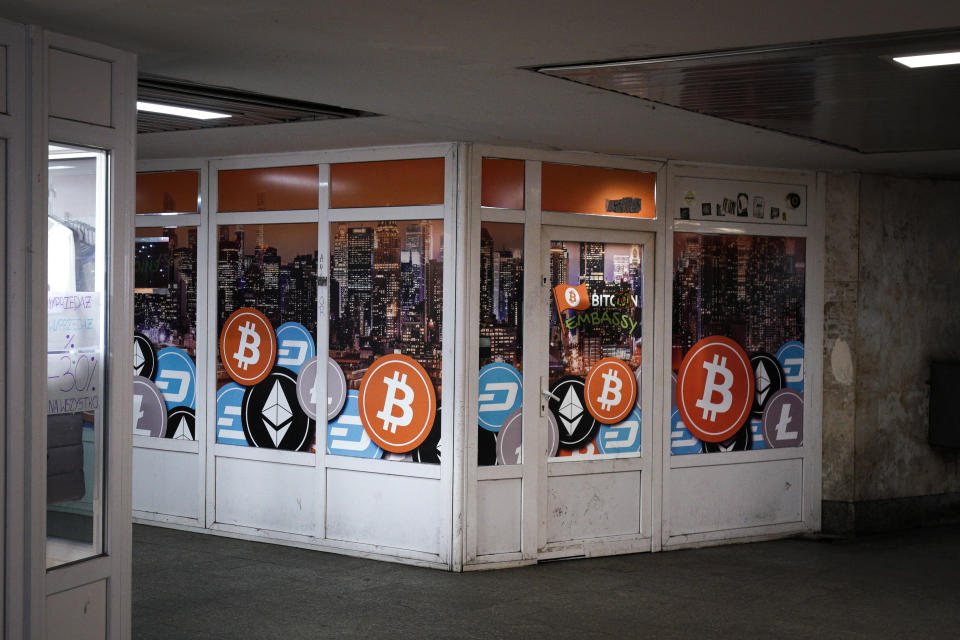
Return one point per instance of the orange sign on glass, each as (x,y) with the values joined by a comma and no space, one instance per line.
(610,390)
(168,191)
(397,403)
(598,190)
(501,183)
(248,346)
(387,183)
(715,389)
(269,189)
(568,296)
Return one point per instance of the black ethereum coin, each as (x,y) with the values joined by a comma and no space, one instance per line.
(486,447)
(272,416)
(576,424)
(768,379)
(181,424)
(144,357)
(429,450)
(741,441)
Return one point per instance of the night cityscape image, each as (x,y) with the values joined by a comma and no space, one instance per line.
(615,270)
(501,293)
(747,288)
(386,294)
(272,268)
(165,294)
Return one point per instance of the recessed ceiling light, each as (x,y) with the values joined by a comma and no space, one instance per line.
(929,59)
(183,112)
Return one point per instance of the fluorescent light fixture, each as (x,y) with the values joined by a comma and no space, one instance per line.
(929,59)
(183,112)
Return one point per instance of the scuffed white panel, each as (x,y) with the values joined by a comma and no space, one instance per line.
(166,482)
(392,511)
(266,495)
(498,516)
(734,496)
(79,87)
(78,614)
(3,79)
(593,506)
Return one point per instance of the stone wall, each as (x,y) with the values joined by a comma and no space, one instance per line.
(891,305)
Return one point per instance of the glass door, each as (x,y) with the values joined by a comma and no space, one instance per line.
(598,317)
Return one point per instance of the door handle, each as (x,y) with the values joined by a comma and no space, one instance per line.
(545,395)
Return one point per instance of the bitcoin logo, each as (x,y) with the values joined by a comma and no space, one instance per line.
(249,342)
(248,346)
(710,387)
(398,403)
(715,389)
(573,298)
(611,390)
(397,383)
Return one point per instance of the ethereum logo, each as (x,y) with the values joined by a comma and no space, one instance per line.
(570,410)
(183,431)
(138,359)
(276,414)
(763,383)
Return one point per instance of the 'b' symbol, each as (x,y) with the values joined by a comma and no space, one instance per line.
(610,396)
(711,408)
(249,341)
(397,383)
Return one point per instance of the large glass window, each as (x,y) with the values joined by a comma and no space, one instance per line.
(77,232)
(165,332)
(267,320)
(500,381)
(596,339)
(738,312)
(386,327)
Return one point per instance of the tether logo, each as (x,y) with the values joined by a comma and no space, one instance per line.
(248,346)
(715,389)
(397,403)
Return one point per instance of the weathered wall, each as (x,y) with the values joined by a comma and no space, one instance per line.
(908,314)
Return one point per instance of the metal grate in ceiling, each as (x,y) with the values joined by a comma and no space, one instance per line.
(847,92)
(245,108)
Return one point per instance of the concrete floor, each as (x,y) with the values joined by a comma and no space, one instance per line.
(904,585)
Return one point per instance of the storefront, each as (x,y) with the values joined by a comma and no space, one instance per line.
(525,355)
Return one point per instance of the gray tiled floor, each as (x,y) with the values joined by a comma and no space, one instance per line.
(892,586)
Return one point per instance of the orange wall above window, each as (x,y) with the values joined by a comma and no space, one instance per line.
(168,192)
(580,189)
(386,183)
(269,189)
(502,183)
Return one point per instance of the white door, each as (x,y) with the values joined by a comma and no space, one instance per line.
(595,362)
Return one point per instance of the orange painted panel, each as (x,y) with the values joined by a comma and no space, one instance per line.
(501,183)
(598,190)
(269,189)
(168,191)
(386,183)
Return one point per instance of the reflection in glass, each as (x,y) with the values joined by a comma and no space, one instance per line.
(76,315)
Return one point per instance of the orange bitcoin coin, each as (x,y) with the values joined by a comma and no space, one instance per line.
(248,346)
(397,403)
(610,390)
(715,389)
(589,449)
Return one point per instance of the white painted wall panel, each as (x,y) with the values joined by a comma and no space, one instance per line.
(3,79)
(266,495)
(166,482)
(80,88)
(593,506)
(735,496)
(78,614)
(392,511)
(498,516)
